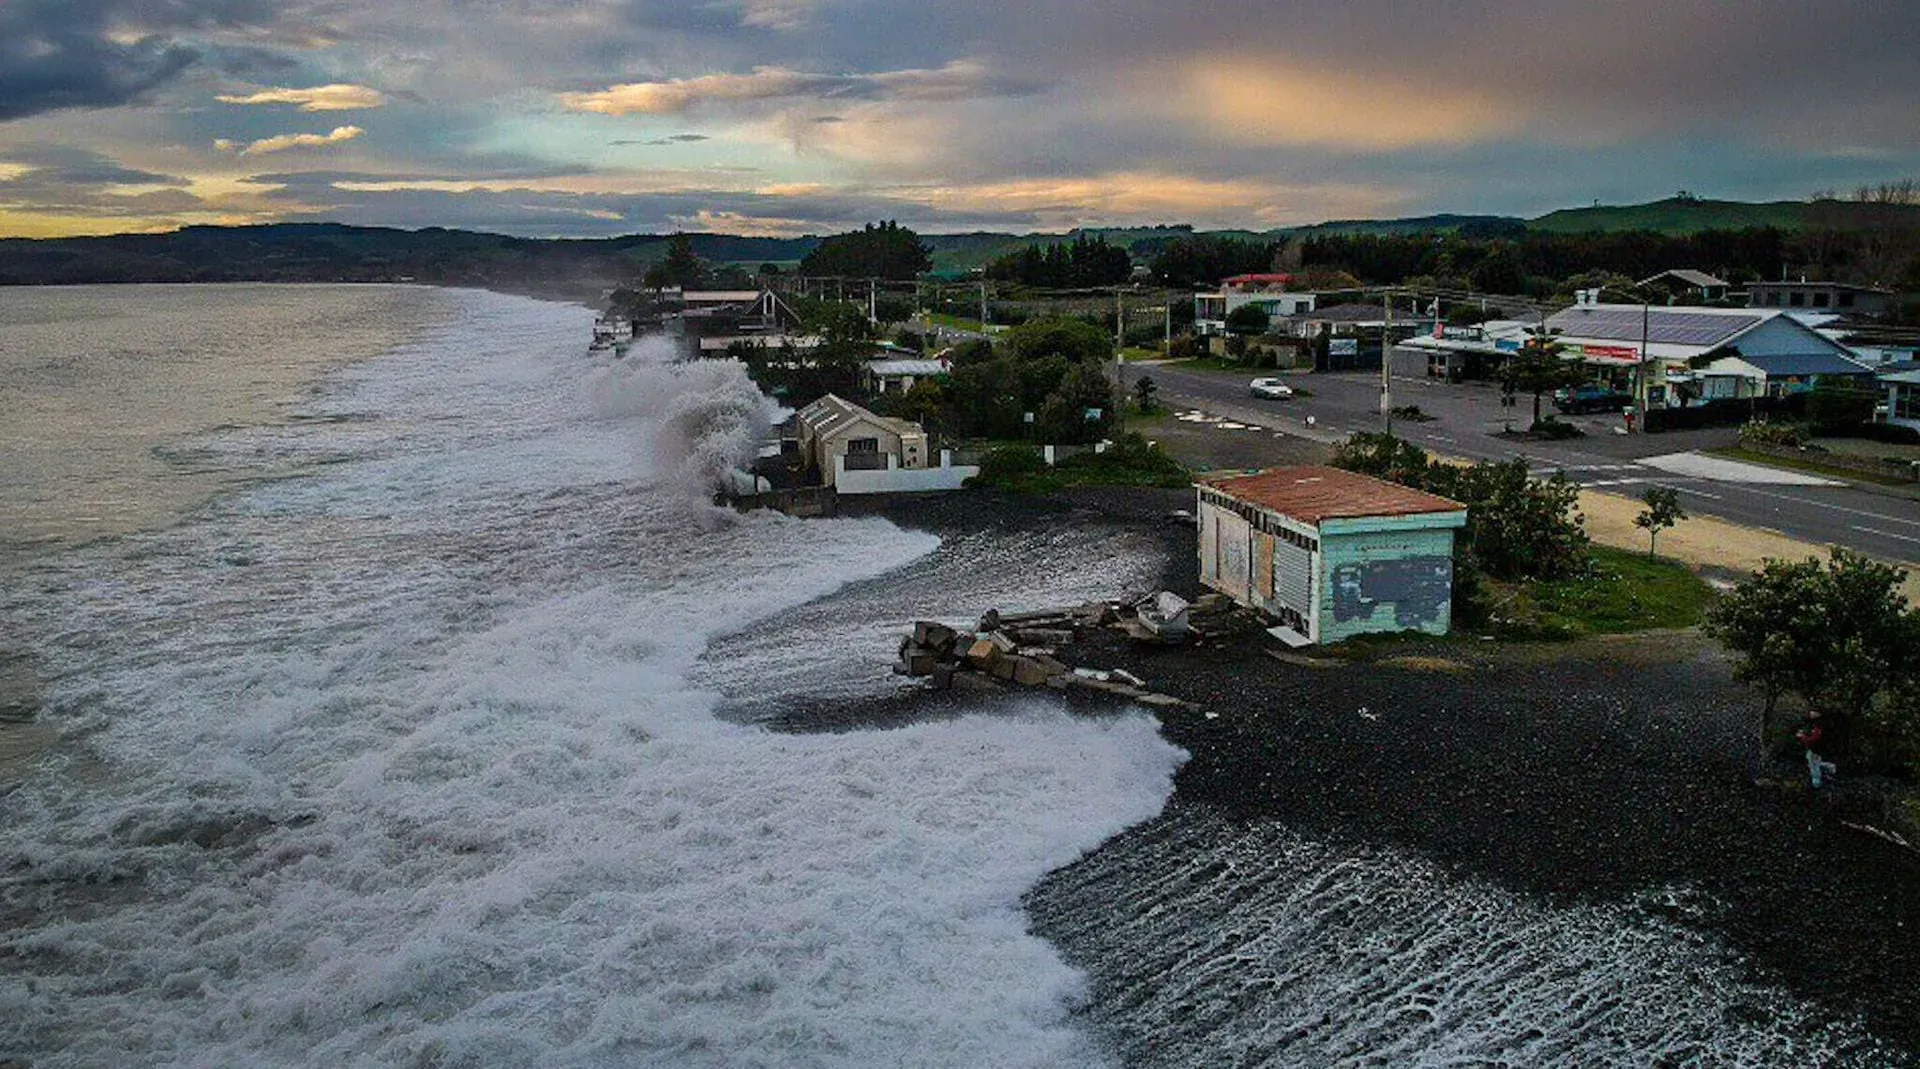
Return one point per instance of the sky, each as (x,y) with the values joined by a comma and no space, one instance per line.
(591,118)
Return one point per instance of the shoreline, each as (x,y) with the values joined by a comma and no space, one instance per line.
(1589,771)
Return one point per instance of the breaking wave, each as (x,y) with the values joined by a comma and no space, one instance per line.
(405,763)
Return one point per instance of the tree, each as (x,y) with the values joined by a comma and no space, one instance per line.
(1248,320)
(1538,368)
(1834,634)
(1063,416)
(1663,510)
(1146,394)
(1499,272)
(1076,339)
(680,267)
(885,250)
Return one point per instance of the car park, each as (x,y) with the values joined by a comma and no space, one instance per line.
(1272,389)
(1577,399)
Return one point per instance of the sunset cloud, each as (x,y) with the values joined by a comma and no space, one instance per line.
(283,142)
(958,80)
(1256,102)
(336,97)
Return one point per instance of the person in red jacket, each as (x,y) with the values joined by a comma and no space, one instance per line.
(1813,736)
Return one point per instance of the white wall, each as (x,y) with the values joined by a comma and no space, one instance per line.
(898,480)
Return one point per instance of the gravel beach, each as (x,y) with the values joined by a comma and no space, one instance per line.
(1598,771)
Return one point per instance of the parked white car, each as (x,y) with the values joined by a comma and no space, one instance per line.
(1272,389)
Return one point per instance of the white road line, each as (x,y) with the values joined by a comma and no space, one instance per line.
(1697,493)
(1887,534)
(1830,507)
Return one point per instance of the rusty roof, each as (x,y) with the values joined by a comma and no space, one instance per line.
(1312,494)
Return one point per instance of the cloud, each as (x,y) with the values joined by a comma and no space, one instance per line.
(958,80)
(1266,102)
(776,14)
(671,139)
(282,142)
(55,56)
(336,97)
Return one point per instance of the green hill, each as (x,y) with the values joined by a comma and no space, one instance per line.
(1690,215)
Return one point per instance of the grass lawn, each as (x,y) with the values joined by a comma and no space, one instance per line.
(941,319)
(1811,467)
(1627,592)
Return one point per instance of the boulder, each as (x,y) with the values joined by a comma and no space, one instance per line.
(990,620)
(983,654)
(1027,672)
(934,636)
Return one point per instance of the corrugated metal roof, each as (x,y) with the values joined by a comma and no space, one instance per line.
(1807,364)
(1312,494)
(916,368)
(1689,276)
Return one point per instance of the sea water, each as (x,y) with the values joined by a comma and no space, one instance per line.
(397,757)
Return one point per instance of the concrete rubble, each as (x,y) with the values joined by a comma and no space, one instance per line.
(1021,648)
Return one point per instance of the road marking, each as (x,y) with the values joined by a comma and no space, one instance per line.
(1835,508)
(1888,534)
(1697,493)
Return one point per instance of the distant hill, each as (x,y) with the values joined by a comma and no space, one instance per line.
(1690,215)
(331,252)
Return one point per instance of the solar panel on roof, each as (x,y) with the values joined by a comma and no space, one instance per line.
(1661,326)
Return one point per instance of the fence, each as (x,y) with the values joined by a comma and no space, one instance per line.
(1727,412)
(896,480)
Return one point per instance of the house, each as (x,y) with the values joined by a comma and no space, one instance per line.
(1269,292)
(1686,286)
(1354,334)
(1902,383)
(1777,374)
(860,452)
(1651,350)
(1820,296)
(1328,553)
(712,321)
(1457,354)
(897,374)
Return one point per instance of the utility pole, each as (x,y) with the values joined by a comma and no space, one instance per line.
(1386,385)
(1167,351)
(1640,365)
(872,308)
(983,306)
(1119,324)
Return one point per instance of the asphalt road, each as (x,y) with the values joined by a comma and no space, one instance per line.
(1467,418)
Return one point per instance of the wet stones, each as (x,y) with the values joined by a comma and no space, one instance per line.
(1020,649)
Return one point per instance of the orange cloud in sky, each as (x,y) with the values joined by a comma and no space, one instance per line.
(957,80)
(1260,102)
(1154,197)
(282,142)
(318,98)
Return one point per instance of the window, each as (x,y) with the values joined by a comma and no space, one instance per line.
(1846,300)
(863,445)
(1797,299)
(1821,299)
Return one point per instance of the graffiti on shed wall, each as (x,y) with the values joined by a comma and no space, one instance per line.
(1416,589)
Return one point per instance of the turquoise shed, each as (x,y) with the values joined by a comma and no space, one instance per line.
(1330,554)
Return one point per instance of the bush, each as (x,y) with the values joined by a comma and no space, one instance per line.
(1129,461)
(1014,467)
(1518,527)
(1836,409)
(1761,432)
(1890,433)
(1553,430)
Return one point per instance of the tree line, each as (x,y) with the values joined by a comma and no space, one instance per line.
(1084,262)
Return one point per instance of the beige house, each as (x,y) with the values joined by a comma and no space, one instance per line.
(838,435)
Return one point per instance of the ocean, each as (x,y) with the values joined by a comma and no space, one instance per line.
(394,695)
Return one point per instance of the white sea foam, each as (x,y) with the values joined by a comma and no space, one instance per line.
(402,764)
